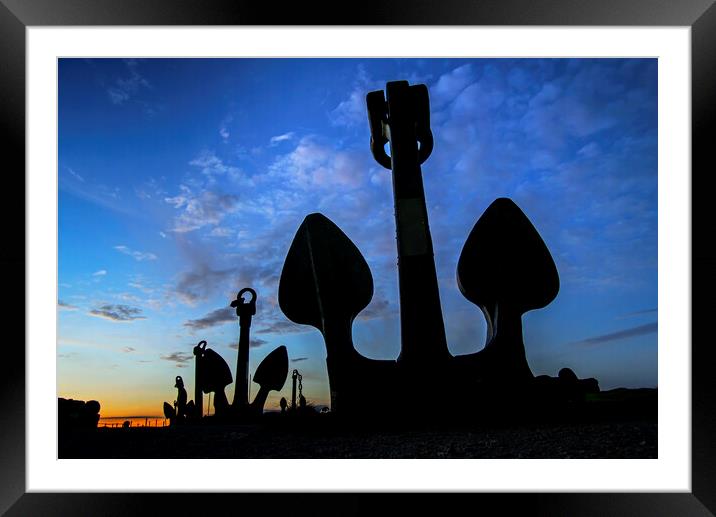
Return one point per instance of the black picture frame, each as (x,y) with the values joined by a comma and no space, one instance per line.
(699,15)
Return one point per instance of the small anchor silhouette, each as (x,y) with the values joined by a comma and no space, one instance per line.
(504,268)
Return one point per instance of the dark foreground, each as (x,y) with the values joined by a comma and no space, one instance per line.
(615,424)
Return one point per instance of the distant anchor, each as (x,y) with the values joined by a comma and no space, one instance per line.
(505,268)
(212,375)
(245,311)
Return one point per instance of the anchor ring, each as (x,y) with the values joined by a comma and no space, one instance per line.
(244,291)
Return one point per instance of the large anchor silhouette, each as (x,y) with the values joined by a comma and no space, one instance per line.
(504,268)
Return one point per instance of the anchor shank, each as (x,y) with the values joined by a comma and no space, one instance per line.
(198,396)
(421,321)
(241,396)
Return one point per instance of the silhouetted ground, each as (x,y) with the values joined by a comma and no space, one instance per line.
(614,424)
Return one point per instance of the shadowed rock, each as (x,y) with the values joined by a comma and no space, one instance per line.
(77,413)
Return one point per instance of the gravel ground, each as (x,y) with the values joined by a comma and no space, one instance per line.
(591,440)
(620,423)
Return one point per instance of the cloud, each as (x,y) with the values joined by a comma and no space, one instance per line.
(201,209)
(137,255)
(128,349)
(377,309)
(621,334)
(75,175)
(221,231)
(253,343)
(178,357)
(638,313)
(314,165)
(299,359)
(283,327)
(125,87)
(212,319)
(210,164)
(66,306)
(451,84)
(101,272)
(351,111)
(224,128)
(141,287)
(118,312)
(282,138)
(198,283)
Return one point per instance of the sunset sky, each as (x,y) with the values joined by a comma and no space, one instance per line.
(181,181)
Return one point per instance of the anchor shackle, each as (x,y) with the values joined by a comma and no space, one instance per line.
(245,310)
(381,119)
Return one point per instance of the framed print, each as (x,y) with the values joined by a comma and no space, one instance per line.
(142,97)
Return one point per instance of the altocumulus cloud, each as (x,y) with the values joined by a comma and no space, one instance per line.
(118,312)
(200,209)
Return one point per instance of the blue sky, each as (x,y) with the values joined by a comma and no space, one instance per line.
(182,181)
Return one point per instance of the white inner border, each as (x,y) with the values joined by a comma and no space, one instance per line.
(670,472)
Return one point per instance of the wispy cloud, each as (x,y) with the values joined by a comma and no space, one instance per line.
(75,175)
(314,165)
(283,327)
(221,231)
(212,319)
(118,312)
(352,110)
(210,164)
(299,359)
(621,334)
(66,306)
(101,272)
(200,209)
(200,282)
(638,313)
(136,255)
(253,343)
(224,128)
(379,308)
(128,349)
(125,87)
(178,357)
(282,138)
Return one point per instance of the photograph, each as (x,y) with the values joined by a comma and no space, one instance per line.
(317,259)
(437,257)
